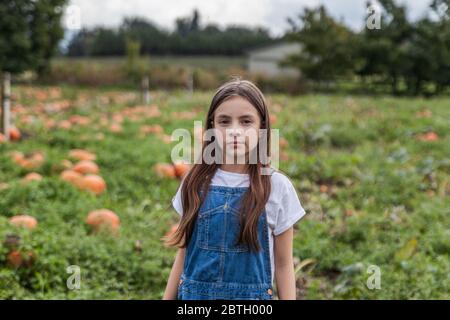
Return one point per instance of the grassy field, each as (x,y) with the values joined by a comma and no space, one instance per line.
(208,62)
(372,173)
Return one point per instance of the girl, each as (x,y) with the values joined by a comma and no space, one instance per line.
(236,229)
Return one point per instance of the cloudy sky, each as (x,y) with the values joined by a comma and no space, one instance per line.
(271,14)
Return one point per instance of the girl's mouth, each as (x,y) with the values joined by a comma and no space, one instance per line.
(236,143)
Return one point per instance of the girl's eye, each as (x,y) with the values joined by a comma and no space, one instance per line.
(222,122)
(247,122)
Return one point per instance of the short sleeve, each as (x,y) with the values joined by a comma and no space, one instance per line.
(177,203)
(289,211)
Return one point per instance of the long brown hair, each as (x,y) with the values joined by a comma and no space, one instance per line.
(199,177)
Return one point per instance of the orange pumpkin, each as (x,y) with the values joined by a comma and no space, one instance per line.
(429,137)
(65,125)
(15,258)
(272,118)
(2,138)
(172,230)
(152,129)
(284,156)
(70,176)
(117,118)
(25,221)
(80,120)
(165,170)
(100,136)
(86,166)
(424,114)
(14,134)
(115,128)
(165,138)
(98,219)
(93,183)
(33,161)
(37,158)
(32,176)
(17,156)
(283,143)
(49,123)
(181,169)
(80,155)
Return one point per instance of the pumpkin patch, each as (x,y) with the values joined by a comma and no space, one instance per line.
(92,164)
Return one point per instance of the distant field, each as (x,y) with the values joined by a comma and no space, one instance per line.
(208,62)
(372,173)
(164,72)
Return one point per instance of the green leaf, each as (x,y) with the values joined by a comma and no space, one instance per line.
(407,250)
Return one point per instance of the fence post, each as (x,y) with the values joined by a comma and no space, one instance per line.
(6,104)
(145,90)
(190,82)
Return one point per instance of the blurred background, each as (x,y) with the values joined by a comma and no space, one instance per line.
(91,92)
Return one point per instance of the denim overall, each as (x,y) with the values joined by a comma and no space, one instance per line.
(215,267)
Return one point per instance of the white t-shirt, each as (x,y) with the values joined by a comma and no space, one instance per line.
(283,207)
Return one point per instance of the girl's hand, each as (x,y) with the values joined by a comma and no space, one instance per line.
(284,265)
(174,277)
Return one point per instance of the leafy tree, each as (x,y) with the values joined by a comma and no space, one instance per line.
(417,53)
(107,41)
(29,34)
(152,39)
(441,45)
(385,51)
(188,24)
(325,46)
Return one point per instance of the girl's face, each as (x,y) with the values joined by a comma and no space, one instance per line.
(238,122)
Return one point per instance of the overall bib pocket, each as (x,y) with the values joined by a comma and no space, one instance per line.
(218,229)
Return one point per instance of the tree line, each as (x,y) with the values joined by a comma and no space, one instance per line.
(188,38)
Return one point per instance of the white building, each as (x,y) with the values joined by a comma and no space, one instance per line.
(266,60)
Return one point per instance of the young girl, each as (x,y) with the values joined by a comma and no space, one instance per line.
(236,229)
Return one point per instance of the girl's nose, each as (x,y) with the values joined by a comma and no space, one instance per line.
(235,132)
